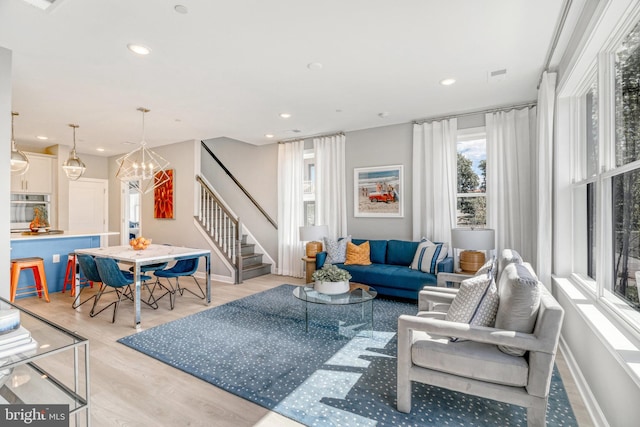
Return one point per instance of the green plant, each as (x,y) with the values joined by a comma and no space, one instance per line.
(331,273)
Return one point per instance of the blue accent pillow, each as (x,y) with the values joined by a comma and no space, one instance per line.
(401,252)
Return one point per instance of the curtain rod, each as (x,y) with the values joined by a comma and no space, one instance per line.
(473,113)
(325,135)
(556,38)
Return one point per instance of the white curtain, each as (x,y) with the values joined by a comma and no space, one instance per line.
(511,180)
(434,180)
(546,112)
(331,184)
(290,207)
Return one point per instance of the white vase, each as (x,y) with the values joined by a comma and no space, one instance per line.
(332,288)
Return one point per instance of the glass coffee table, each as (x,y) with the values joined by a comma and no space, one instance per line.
(358,294)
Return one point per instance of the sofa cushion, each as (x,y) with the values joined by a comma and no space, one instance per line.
(358,254)
(476,302)
(428,255)
(468,359)
(401,252)
(519,302)
(378,249)
(390,276)
(336,250)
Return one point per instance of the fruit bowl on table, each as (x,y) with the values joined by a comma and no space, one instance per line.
(139,243)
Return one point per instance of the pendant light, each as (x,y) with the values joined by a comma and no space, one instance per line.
(73,167)
(142,168)
(19,160)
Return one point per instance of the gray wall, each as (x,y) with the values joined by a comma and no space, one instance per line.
(382,146)
(256,169)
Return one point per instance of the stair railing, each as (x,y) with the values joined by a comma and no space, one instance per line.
(240,186)
(221,226)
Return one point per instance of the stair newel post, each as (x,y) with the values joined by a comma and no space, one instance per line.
(238,251)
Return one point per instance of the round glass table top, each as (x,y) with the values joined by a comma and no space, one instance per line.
(357,294)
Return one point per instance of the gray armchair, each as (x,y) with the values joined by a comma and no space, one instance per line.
(474,365)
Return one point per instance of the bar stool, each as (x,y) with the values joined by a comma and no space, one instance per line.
(70,275)
(36,265)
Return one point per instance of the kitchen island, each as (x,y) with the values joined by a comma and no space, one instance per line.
(54,248)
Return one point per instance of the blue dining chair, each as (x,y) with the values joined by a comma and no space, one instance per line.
(90,271)
(182,268)
(120,281)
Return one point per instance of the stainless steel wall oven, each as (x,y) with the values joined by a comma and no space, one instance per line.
(22,206)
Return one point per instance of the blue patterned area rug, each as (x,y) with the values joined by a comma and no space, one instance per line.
(257,348)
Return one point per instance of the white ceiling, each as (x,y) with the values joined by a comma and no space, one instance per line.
(229,68)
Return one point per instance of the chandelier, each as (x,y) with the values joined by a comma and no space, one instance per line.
(142,168)
(19,160)
(73,167)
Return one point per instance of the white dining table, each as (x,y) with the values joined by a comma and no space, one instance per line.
(151,255)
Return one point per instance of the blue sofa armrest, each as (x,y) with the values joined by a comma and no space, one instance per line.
(444,266)
(320,259)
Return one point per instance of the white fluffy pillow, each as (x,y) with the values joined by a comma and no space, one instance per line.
(428,255)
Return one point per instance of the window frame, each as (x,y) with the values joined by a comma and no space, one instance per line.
(470,134)
(602,74)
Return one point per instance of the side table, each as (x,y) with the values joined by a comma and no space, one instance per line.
(309,267)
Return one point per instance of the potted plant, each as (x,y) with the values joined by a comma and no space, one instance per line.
(331,280)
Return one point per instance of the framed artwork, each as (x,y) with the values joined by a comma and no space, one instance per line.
(163,197)
(377,191)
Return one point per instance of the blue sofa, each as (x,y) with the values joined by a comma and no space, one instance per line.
(389,272)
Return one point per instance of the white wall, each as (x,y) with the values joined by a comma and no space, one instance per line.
(5,172)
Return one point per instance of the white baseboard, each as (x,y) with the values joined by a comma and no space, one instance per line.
(591,404)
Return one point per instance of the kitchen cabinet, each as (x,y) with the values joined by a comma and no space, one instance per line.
(38,179)
(44,364)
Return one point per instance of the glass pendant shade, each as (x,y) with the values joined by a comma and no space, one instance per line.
(19,160)
(73,167)
(142,168)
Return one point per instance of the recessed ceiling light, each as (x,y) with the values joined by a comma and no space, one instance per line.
(139,49)
(181,9)
(100,149)
(383,115)
(42,137)
(447,82)
(269,135)
(285,115)
(314,66)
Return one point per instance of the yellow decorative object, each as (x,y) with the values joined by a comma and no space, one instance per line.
(358,254)
(139,243)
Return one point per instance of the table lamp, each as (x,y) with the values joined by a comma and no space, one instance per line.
(474,241)
(313,234)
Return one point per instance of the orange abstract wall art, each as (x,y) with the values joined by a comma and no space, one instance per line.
(163,197)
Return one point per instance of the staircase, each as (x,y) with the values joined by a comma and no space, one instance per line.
(252,265)
(224,230)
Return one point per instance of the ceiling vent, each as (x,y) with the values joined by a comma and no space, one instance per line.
(47,5)
(497,75)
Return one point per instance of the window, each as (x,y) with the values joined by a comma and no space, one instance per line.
(472,178)
(606,190)
(309,188)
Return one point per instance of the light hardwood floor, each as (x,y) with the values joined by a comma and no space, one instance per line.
(131,389)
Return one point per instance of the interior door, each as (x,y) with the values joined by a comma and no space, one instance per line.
(88,205)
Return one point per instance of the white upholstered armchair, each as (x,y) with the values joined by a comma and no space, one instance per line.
(474,364)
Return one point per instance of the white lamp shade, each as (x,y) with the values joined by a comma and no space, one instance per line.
(312,233)
(477,239)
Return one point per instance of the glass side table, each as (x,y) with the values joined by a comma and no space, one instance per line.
(358,294)
(51,367)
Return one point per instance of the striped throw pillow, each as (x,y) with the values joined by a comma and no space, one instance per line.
(428,255)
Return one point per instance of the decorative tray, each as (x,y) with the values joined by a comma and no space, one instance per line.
(38,233)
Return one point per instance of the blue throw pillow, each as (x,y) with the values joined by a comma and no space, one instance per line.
(401,252)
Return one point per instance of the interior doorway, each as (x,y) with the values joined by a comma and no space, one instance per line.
(88,205)
(131,212)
